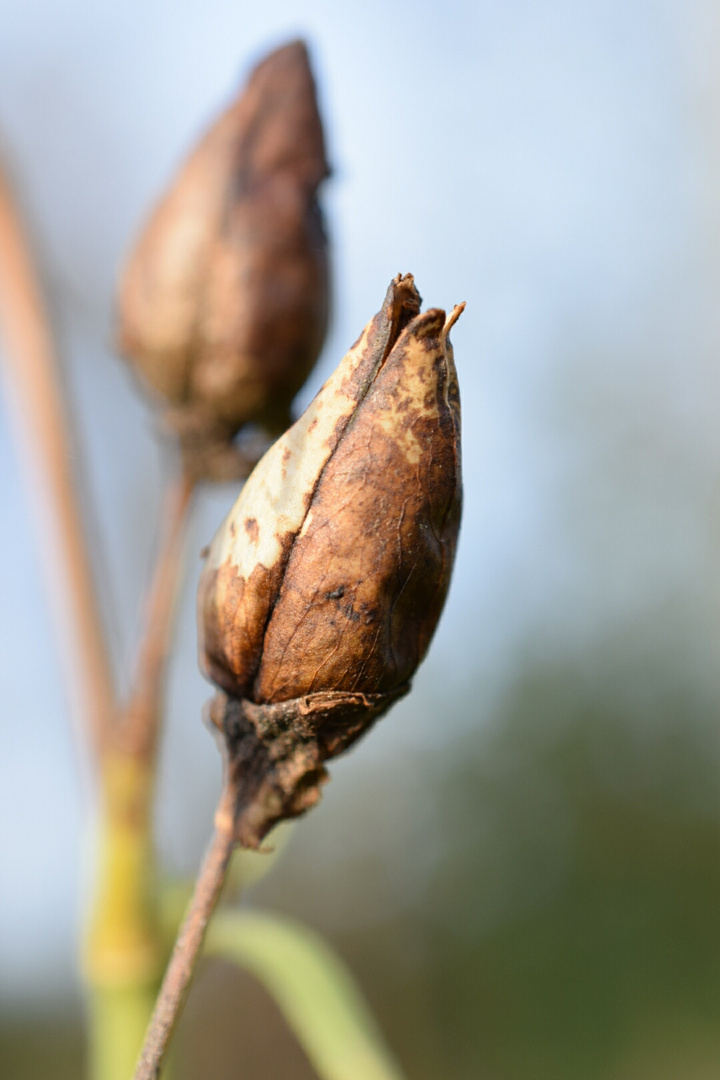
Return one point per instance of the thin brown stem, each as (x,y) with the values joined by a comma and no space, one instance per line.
(187,947)
(35,393)
(139,728)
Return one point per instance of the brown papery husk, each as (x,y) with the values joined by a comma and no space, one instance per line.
(234,608)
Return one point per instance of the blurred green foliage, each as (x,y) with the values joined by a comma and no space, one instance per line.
(580,933)
(41,1046)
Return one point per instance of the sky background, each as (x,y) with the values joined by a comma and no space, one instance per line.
(554,165)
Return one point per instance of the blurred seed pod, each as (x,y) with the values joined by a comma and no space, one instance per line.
(224,301)
(323,586)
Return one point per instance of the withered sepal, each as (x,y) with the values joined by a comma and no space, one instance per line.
(274,754)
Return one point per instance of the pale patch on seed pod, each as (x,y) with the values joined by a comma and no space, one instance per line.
(325,583)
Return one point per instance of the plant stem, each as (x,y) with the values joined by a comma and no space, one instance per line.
(182,962)
(139,728)
(126,947)
(33,383)
(118,1018)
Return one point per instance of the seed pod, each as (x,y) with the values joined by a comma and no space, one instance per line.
(224,301)
(323,586)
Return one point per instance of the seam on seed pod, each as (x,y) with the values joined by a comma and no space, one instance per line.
(395,333)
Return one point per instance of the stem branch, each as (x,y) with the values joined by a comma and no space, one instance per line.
(182,962)
(31,368)
(139,728)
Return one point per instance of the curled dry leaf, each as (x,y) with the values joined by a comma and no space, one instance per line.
(224,301)
(323,586)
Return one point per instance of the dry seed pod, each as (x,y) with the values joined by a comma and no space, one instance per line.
(323,586)
(224,301)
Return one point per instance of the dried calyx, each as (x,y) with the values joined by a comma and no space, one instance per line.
(224,301)
(323,586)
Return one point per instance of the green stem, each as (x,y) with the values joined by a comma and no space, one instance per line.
(126,947)
(124,950)
(118,1018)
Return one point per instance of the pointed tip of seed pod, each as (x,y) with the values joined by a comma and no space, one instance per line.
(290,60)
(296,48)
(291,52)
(428,324)
(404,288)
(402,305)
(297,45)
(453,318)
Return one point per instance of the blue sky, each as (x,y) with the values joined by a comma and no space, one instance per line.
(555,165)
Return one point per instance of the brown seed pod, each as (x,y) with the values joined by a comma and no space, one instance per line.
(323,586)
(224,301)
